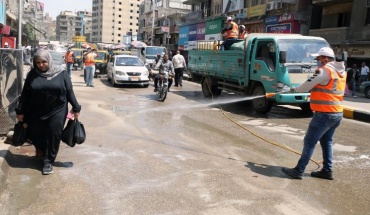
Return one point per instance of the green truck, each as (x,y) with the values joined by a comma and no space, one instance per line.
(259,64)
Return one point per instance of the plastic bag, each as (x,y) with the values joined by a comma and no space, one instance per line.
(79,132)
(68,133)
(20,134)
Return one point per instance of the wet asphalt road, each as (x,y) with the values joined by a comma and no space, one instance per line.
(182,156)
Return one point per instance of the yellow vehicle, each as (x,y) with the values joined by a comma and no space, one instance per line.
(78,53)
(101,61)
(120,52)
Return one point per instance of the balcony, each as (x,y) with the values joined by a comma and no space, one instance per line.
(332,35)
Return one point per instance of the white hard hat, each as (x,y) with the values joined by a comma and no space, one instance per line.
(242,26)
(6,44)
(229,18)
(325,51)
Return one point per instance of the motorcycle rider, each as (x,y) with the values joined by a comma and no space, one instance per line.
(164,64)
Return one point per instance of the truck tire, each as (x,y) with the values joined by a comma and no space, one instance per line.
(261,105)
(210,89)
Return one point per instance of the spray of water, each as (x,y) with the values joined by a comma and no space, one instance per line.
(205,104)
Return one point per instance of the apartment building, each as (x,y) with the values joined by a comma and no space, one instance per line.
(86,24)
(345,24)
(68,25)
(113,19)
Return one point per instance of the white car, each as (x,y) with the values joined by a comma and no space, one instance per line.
(127,69)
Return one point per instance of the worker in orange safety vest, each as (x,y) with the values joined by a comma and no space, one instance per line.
(69,59)
(231,32)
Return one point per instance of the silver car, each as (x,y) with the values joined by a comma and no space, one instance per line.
(127,70)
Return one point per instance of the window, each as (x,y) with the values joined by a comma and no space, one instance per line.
(130,23)
(119,22)
(131,11)
(130,17)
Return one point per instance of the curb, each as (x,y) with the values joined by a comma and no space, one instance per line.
(4,166)
(353,113)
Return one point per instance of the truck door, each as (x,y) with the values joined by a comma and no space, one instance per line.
(263,63)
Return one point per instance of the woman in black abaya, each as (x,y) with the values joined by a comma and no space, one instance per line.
(43,105)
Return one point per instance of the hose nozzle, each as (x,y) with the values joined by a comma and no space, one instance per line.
(269,95)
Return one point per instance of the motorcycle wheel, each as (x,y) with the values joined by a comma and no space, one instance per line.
(163,94)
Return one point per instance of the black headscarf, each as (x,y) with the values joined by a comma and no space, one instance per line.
(53,71)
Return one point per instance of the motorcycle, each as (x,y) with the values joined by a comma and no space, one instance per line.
(163,86)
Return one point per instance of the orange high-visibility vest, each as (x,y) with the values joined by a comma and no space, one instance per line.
(233,32)
(89,59)
(69,57)
(329,98)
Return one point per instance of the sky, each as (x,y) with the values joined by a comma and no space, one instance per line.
(54,7)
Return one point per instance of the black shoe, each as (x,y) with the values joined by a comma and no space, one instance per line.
(91,85)
(168,90)
(292,173)
(47,170)
(176,85)
(322,174)
(180,85)
(155,89)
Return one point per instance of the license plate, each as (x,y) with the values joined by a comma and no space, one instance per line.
(134,78)
(75,64)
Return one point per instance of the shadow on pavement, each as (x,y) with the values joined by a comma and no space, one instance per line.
(267,170)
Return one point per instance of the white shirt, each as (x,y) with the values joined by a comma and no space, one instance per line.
(179,61)
(364,70)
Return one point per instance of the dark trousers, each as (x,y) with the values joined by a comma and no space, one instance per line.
(179,73)
(228,42)
(46,134)
(156,81)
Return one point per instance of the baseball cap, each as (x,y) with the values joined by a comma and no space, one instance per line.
(324,51)
(229,18)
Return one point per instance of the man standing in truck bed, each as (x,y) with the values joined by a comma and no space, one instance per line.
(232,33)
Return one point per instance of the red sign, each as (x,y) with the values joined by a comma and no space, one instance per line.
(286,17)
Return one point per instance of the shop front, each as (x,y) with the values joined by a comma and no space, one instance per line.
(255,23)
(283,24)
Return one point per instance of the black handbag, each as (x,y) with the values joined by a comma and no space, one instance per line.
(79,133)
(20,134)
(68,133)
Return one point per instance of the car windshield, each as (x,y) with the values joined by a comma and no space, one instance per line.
(154,50)
(128,61)
(101,56)
(77,53)
(300,50)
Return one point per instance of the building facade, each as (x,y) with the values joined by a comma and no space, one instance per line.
(111,20)
(86,24)
(68,24)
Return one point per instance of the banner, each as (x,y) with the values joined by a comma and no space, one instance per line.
(192,32)
(201,30)
(213,29)
(285,28)
(183,35)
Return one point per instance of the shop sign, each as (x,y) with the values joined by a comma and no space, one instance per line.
(214,26)
(192,45)
(165,29)
(272,20)
(286,17)
(258,10)
(280,28)
(359,52)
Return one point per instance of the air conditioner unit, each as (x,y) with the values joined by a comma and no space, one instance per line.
(270,6)
(278,5)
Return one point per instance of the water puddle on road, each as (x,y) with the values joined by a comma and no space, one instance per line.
(342,148)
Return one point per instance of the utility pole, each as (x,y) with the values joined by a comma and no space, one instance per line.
(153,11)
(20,10)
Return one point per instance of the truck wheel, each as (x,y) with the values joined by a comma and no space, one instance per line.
(261,105)
(305,107)
(209,89)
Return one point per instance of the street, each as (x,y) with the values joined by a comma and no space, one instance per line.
(183,156)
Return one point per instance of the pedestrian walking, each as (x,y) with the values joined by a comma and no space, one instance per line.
(327,88)
(43,106)
(351,80)
(89,60)
(70,59)
(364,72)
(179,64)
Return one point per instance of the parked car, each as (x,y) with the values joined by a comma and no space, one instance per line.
(365,88)
(127,69)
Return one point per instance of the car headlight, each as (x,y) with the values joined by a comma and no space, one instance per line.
(121,73)
(146,73)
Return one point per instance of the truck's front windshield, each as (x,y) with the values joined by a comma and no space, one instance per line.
(153,51)
(300,50)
